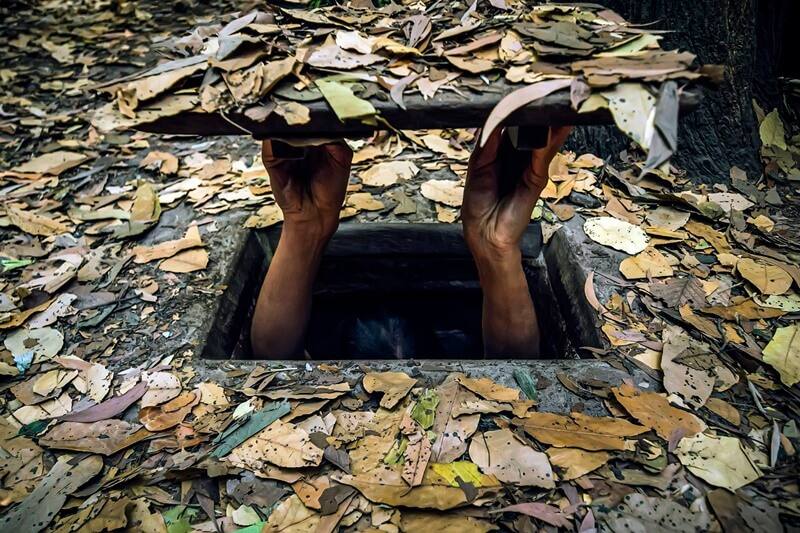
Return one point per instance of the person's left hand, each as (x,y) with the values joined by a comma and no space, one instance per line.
(310,191)
(494,222)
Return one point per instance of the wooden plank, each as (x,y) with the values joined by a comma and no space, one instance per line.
(446,110)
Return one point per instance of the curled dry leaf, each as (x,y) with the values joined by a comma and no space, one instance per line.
(144,254)
(394,386)
(576,462)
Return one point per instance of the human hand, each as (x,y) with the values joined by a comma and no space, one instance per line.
(310,191)
(497,206)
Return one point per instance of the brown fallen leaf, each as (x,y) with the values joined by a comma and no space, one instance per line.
(500,453)
(35,224)
(53,163)
(724,410)
(489,390)
(447,192)
(580,431)
(164,162)
(47,499)
(161,387)
(292,516)
(714,237)
(326,392)
(648,264)
(692,384)
(186,261)
(386,485)
(418,452)
(293,113)
(105,437)
(720,461)
(388,173)
(170,414)
(576,462)
(281,444)
(145,254)
(444,523)
(742,307)
(541,511)
(394,386)
(654,411)
(451,432)
(769,279)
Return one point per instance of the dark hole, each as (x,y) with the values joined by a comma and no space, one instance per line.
(387,291)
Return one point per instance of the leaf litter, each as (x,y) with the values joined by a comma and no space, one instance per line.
(91,213)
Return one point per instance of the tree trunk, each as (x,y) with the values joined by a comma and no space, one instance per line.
(724,131)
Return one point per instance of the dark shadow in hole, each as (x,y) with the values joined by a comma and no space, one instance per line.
(387,291)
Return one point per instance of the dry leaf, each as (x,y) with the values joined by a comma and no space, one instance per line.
(45,502)
(473,65)
(692,384)
(280,444)
(654,411)
(45,343)
(631,105)
(451,432)
(724,410)
(388,173)
(718,460)
(412,521)
(161,388)
(333,57)
(164,162)
(144,254)
(783,353)
(187,261)
(580,431)
(712,236)
(394,386)
(170,414)
(654,515)
(293,113)
(617,234)
(501,454)
(769,279)
(447,192)
(668,218)
(292,516)
(266,216)
(35,224)
(576,462)
(649,264)
(105,437)
(489,390)
(53,163)
(364,201)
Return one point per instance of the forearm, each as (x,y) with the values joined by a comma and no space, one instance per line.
(510,329)
(284,302)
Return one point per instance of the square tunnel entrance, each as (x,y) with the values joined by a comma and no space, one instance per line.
(417,281)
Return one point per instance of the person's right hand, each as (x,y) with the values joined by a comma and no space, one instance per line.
(310,191)
(494,222)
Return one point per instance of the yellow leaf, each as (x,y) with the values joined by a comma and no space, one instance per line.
(489,390)
(649,264)
(467,471)
(783,353)
(654,411)
(393,385)
(718,460)
(576,462)
(771,131)
(769,279)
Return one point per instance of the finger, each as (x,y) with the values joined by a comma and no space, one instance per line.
(486,155)
(542,157)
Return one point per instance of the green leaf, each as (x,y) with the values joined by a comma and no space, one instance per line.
(237,434)
(255,528)
(526,384)
(771,131)
(395,455)
(345,104)
(11,264)
(425,409)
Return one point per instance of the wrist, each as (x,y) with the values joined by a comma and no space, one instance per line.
(497,265)
(311,234)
